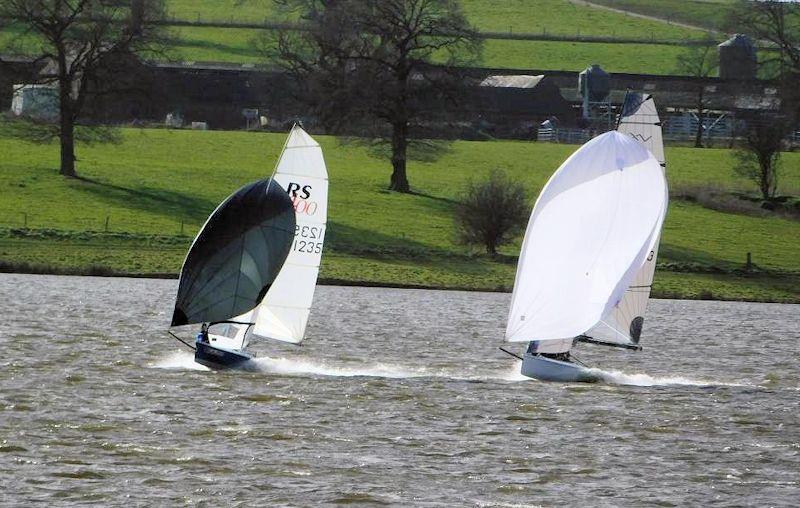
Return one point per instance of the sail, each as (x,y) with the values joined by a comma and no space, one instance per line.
(283,314)
(236,256)
(589,232)
(639,119)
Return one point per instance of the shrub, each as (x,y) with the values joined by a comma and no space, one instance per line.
(491,213)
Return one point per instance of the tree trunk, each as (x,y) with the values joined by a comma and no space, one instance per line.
(66,131)
(698,137)
(765,182)
(399,180)
(67,137)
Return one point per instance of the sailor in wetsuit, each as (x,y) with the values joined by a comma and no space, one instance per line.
(203,335)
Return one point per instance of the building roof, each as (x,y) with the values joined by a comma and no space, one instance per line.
(513,81)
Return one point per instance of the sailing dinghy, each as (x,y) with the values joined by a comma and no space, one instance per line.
(588,256)
(252,270)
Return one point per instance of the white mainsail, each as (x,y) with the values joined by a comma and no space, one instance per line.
(283,314)
(590,231)
(639,120)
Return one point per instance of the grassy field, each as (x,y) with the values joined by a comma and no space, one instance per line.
(709,14)
(156,188)
(516,16)
(559,17)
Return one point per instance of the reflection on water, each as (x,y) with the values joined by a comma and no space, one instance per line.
(397,396)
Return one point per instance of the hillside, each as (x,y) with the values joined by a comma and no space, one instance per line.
(709,14)
(553,17)
(159,183)
(537,17)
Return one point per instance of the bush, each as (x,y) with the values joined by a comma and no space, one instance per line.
(491,213)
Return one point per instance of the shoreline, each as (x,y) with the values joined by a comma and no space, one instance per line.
(98,271)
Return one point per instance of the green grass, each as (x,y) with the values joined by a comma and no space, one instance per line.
(576,56)
(517,16)
(222,10)
(155,180)
(239,46)
(527,16)
(558,17)
(565,18)
(705,13)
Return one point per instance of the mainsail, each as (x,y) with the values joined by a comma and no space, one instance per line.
(639,120)
(592,228)
(236,256)
(283,314)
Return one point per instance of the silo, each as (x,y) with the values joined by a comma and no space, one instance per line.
(594,83)
(737,58)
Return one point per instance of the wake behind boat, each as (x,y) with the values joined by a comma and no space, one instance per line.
(588,257)
(252,270)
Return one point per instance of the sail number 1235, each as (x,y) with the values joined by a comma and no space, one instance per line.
(307,239)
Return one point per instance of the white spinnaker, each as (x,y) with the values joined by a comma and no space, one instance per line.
(283,313)
(588,234)
(639,119)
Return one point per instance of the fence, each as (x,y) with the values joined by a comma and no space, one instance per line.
(36,225)
(676,128)
(566,136)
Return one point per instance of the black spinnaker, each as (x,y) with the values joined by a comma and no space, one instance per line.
(236,256)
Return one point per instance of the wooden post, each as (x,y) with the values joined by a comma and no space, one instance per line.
(107,223)
(749,265)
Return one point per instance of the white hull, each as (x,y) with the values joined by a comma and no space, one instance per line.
(548,369)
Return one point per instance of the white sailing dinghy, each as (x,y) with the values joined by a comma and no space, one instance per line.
(281,313)
(588,256)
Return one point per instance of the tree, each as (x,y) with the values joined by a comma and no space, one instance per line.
(80,43)
(699,62)
(778,24)
(758,159)
(358,62)
(491,213)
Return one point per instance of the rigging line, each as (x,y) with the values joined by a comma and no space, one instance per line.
(622,111)
(573,357)
(627,339)
(278,162)
(182,341)
(518,357)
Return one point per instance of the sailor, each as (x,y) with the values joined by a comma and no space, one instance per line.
(203,335)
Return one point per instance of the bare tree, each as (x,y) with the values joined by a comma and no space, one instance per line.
(80,43)
(699,62)
(362,61)
(778,24)
(758,159)
(491,212)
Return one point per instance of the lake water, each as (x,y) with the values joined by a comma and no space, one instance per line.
(398,397)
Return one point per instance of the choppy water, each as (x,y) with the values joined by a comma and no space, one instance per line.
(398,397)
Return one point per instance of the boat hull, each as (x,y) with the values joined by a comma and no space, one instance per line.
(218,359)
(548,369)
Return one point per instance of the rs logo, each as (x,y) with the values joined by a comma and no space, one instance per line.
(294,188)
(300,194)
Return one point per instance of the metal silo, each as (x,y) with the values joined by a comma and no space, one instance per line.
(737,58)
